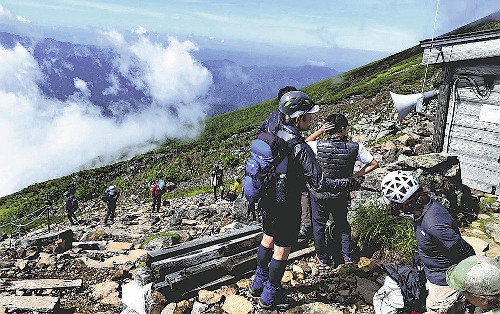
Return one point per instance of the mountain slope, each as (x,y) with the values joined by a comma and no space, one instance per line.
(360,91)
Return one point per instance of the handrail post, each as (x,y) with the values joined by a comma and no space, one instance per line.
(48,218)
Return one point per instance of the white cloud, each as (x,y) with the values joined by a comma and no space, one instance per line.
(140,30)
(82,86)
(114,88)
(373,37)
(8,17)
(316,63)
(45,138)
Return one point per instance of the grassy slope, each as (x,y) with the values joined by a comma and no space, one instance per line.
(227,136)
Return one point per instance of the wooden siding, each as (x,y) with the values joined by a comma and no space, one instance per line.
(475,141)
(461,51)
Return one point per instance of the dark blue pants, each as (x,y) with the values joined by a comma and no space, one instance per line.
(340,243)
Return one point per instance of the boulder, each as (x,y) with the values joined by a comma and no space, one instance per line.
(49,238)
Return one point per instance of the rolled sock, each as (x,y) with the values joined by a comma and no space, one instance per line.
(276,271)
(264,255)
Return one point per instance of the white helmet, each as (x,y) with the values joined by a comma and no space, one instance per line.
(399,185)
(111,187)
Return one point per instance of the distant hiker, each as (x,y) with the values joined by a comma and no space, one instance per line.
(156,192)
(71,206)
(336,156)
(110,197)
(478,279)
(280,201)
(439,243)
(217,179)
(234,190)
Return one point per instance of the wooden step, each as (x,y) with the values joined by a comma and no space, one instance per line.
(30,303)
(7,284)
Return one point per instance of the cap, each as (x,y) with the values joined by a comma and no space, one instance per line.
(476,274)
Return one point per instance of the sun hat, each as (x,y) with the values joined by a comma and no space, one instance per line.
(479,275)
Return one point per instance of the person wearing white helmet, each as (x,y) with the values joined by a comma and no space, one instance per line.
(439,243)
(478,279)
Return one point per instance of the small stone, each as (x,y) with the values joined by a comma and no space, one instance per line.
(183,306)
(209,297)
(244,283)
(199,308)
(344,293)
(117,275)
(169,309)
(236,304)
(287,276)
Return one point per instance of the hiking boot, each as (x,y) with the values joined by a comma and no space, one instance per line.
(261,276)
(274,298)
(348,260)
(322,262)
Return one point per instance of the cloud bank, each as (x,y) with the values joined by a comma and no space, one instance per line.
(44,138)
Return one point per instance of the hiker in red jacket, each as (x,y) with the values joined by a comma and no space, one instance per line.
(156,192)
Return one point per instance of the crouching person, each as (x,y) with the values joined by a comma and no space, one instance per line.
(281,207)
(478,279)
(439,242)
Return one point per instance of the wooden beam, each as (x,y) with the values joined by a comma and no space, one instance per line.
(35,284)
(170,265)
(30,303)
(157,255)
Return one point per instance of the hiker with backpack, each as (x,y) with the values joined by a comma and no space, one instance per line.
(217,179)
(110,197)
(71,206)
(280,165)
(156,193)
(439,242)
(337,156)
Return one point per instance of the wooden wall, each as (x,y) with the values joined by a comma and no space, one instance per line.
(472,126)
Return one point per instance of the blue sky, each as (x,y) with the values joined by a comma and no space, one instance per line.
(378,25)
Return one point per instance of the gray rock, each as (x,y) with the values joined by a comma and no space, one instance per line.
(161,242)
(493,229)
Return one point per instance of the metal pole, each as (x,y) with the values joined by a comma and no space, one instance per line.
(48,218)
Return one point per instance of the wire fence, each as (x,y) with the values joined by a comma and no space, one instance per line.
(20,223)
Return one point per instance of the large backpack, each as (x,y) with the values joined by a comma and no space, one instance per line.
(268,161)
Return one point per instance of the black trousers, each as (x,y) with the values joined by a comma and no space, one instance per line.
(156,203)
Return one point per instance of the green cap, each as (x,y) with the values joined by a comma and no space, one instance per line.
(476,274)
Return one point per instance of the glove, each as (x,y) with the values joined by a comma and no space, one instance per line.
(355,183)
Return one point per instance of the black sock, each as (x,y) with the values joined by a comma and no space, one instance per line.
(276,271)
(264,255)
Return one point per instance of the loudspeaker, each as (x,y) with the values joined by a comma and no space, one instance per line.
(406,103)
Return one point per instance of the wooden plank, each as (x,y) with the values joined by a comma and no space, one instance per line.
(187,279)
(461,52)
(476,135)
(481,151)
(34,284)
(30,303)
(170,265)
(157,255)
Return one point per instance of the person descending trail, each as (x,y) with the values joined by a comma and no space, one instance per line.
(217,179)
(110,197)
(156,193)
(71,206)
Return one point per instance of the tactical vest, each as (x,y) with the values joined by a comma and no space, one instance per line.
(336,156)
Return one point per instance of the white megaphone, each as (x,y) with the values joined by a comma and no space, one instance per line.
(406,103)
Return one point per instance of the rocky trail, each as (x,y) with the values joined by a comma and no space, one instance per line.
(82,269)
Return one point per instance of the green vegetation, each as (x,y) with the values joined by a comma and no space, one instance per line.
(227,137)
(165,234)
(375,226)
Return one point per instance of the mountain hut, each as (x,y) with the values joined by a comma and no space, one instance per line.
(468,117)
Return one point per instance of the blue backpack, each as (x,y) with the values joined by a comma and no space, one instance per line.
(267,164)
